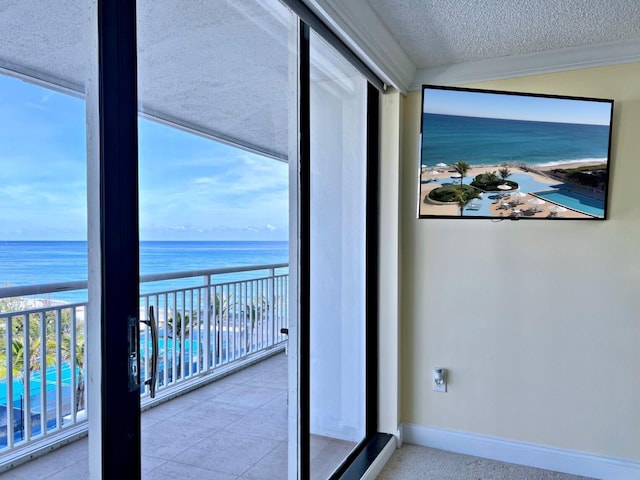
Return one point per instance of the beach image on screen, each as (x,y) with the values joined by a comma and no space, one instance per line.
(494,154)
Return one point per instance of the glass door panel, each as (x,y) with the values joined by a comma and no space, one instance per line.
(338,270)
(213,185)
(43,226)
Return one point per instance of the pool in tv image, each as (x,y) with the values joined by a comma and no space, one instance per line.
(490,154)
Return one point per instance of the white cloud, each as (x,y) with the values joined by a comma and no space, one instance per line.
(229,191)
(190,187)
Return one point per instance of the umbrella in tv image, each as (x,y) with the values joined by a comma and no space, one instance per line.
(536,202)
(504,188)
(518,197)
(554,210)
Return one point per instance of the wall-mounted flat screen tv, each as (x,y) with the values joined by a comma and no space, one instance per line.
(493,154)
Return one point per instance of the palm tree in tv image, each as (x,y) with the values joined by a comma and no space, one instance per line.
(461,168)
(504,173)
(464,196)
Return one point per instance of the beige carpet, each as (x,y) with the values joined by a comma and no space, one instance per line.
(421,463)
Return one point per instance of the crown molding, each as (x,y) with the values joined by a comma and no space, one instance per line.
(362,30)
(571,58)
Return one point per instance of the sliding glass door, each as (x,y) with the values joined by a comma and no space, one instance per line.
(338,270)
(213,87)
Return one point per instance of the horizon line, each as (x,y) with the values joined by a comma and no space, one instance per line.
(518,119)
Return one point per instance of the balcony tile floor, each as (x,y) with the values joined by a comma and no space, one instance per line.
(234,428)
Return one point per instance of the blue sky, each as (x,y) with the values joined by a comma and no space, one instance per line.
(191,188)
(515,107)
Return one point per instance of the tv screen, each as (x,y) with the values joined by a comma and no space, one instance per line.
(492,154)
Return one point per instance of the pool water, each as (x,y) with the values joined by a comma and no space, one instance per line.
(528,184)
(574,201)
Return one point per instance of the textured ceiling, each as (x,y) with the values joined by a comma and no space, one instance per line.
(446,32)
(44,41)
(219,67)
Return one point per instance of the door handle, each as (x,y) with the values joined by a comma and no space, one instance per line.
(153,380)
(133,337)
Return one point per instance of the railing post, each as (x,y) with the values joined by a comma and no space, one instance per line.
(43,371)
(72,365)
(272,304)
(26,380)
(10,360)
(58,352)
(206,327)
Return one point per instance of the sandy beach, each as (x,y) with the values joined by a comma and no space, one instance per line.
(499,207)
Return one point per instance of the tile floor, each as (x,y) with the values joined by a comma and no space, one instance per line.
(234,428)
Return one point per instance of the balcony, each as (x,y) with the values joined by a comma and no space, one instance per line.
(233,427)
(222,383)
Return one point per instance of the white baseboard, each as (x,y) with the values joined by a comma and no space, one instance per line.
(381,460)
(529,454)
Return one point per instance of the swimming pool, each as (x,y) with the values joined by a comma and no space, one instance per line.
(526,182)
(574,201)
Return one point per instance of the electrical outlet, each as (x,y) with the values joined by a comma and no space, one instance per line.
(440,380)
(440,388)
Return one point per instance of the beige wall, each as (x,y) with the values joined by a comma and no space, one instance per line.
(389,306)
(538,322)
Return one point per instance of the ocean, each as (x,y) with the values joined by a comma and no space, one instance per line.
(493,141)
(39,262)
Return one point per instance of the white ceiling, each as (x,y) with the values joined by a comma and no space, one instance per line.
(445,32)
(453,41)
(221,67)
(216,67)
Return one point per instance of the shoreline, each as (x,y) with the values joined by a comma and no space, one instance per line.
(546,166)
(444,173)
(574,164)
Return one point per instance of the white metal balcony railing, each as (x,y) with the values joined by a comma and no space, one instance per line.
(43,356)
